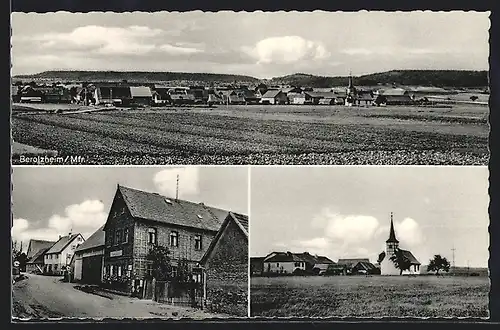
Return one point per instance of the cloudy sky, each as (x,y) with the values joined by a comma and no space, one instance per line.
(344,212)
(258,44)
(49,201)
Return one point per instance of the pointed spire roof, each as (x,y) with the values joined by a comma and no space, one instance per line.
(392,234)
(350,79)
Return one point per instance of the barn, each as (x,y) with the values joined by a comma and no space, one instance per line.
(89,259)
(225,265)
(274,97)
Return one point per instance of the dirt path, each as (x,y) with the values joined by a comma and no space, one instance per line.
(43,297)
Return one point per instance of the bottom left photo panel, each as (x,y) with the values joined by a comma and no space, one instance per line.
(129,242)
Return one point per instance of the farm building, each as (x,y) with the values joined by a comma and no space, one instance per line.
(232,97)
(316,97)
(363,267)
(160,94)
(299,98)
(111,94)
(59,256)
(256,266)
(88,261)
(138,220)
(36,245)
(365,97)
(225,265)
(283,263)
(250,96)
(387,266)
(274,97)
(180,95)
(314,263)
(214,99)
(393,96)
(292,89)
(349,264)
(29,94)
(141,95)
(199,93)
(36,263)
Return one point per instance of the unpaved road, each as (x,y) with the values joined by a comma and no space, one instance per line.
(42,297)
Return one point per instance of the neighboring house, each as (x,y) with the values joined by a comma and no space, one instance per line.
(141,95)
(363,267)
(138,220)
(36,263)
(299,98)
(256,266)
(225,265)
(274,97)
(15,93)
(161,95)
(214,99)
(88,264)
(30,94)
(180,95)
(387,266)
(199,93)
(317,97)
(250,96)
(365,97)
(393,96)
(36,245)
(232,97)
(349,264)
(59,255)
(283,263)
(112,95)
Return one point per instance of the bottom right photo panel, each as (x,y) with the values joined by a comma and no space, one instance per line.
(369,242)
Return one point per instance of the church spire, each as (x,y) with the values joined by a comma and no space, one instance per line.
(350,80)
(392,234)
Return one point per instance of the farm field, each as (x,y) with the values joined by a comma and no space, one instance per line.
(372,296)
(256,134)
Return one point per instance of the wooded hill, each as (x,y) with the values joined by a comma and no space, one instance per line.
(437,78)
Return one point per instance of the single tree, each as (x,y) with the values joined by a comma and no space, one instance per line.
(400,261)
(438,263)
(161,264)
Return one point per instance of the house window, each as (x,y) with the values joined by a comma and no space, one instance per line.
(111,270)
(277,264)
(55,267)
(125,235)
(174,239)
(149,269)
(152,236)
(119,270)
(197,242)
(118,236)
(107,270)
(174,271)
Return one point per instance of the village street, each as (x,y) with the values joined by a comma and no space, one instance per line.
(47,297)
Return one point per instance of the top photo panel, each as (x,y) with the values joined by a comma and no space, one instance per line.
(259,88)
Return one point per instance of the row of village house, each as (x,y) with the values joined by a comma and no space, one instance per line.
(125,94)
(288,263)
(214,243)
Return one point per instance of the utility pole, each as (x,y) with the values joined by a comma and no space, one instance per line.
(177,189)
(453,256)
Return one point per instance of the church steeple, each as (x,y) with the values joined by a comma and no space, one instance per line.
(392,233)
(350,81)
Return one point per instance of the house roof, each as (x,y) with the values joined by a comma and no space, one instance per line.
(155,207)
(271,93)
(324,260)
(325,95)
(95,240)
(393,92)
(140,91)
(352,262)
(37,258)
(36,245)
(304,257)
(284,257)
(410,257)
(62,243)
(240,220)
(365,265)
(257,259)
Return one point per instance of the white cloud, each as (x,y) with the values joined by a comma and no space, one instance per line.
(176,50)
(408,232)
(287,49)
(166,181)
(82,218)
(317,242)
(104,40)
(351,228)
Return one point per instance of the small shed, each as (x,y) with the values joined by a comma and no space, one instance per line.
(141,95)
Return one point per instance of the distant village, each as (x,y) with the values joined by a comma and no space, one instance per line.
(129,94)
(116,256)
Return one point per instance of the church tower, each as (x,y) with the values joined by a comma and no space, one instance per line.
(350,92)
(392,243)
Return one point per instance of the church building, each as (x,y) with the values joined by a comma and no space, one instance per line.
(351,93)
(387,266)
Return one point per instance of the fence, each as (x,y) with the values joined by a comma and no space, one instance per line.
(174,293)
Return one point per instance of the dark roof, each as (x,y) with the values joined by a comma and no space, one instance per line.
(271,93)
(38,257)
(62,243)
(155,207)
(239,219)
(284,257)
(392,234)
(36,245)
(326,95)
(410,257)
(393,92)
(304,256)
(257,259)
(95,240)
(324,260)
(352,262)
(365,265)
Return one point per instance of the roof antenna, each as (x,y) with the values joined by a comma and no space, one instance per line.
(177,188)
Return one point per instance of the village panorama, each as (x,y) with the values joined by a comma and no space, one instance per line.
(164,88)
(129,252)
(340,251)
